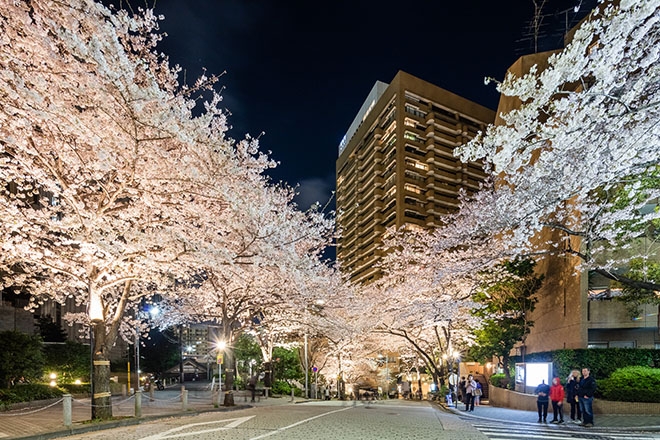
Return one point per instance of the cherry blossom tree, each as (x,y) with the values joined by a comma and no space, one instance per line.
(425,294)
(258,269)
(115,178)
(577,160)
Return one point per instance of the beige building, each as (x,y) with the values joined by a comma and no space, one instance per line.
(396,166)
(578,311)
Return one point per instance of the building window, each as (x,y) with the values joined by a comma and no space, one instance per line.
(412,136)
(412,188)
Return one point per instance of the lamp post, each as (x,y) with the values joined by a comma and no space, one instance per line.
(306,371)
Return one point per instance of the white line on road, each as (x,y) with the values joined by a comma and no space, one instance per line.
(171,433)
(284,428)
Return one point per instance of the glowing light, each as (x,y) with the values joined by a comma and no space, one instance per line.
(78,382)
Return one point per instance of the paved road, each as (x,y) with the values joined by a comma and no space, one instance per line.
(309,421)
(281,418)
(345,420)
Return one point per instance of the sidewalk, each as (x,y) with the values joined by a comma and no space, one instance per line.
(645,422)
(45,419)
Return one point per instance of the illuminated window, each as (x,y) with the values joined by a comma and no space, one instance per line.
(413,188)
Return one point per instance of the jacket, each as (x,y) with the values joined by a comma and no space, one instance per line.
(542,390)
(470,385)
(587,387)
(571,389)
(556,391)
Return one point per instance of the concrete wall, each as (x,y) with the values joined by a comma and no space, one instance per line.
(527,402)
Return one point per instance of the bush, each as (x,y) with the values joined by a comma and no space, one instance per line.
(83,388)
(500,381)
(281,387)
(601,361)
(29,392)
(631,384)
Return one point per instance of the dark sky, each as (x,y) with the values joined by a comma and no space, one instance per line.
(299,70)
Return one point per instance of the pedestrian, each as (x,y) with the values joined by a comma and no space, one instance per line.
(542,400)
(470,386)
(572,396)
(327,393)
(557,398)
(586,390)
(461,389)
(252,386)
(478,392)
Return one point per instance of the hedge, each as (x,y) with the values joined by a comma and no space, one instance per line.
(27,393)
(632,384)
(602,362)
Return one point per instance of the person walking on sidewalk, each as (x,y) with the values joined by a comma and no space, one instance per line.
(586,390)
(557,399)
(252,386)
(572,383)
(470,386)
(542,392)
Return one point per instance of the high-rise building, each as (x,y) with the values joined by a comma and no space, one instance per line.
(396,166)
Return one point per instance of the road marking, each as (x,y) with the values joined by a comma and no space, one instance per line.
(172,432)
(284,428)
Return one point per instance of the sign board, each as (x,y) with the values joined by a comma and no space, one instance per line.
(219,358)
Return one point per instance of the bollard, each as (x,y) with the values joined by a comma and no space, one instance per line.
(67,410)
(183,389)
(138,404)
(184,398)
(124,391)
(219,401)
(292,398)
(151,394)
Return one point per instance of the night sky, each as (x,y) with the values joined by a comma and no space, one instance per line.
(299,70)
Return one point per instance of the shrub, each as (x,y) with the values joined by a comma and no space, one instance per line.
(631,384)
(29,392)
(601,361)
(281,387)
(83,388)
(500,381)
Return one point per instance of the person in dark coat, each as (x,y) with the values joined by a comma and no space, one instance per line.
(572,396)
(461,390)
(252,386)
(586,390)
(542,401)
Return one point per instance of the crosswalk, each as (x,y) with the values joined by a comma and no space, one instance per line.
(504,431)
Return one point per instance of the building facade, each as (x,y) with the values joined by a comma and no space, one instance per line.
(396,166)
(578,310)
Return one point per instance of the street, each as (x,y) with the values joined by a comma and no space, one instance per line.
(314,420)
(396,419)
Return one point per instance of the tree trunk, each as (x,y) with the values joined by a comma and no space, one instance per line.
(229,377)
(101,397)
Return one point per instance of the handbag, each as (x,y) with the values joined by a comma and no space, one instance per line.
(477,392)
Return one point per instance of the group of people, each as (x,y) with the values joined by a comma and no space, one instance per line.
(470,391)
(579,393)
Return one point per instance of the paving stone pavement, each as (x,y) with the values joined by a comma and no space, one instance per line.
(45,420)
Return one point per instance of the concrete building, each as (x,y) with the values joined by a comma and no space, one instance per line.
(396,166)
(578,310)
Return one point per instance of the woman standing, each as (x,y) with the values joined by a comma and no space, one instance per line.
(470,386)
(571,396)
